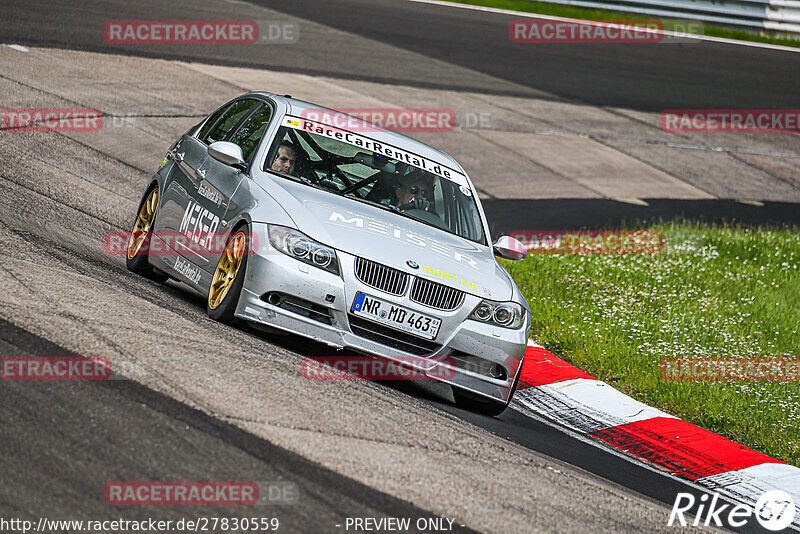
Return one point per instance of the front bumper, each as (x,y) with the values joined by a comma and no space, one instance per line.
(331,298)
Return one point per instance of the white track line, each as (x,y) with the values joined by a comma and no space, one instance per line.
(524,14)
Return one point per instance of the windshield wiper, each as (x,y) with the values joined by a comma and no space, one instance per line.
(301,179)
(390,207)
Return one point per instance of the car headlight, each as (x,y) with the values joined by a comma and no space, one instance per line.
(301,247)
(505,314)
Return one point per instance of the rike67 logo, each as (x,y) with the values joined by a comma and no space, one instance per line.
(775,511)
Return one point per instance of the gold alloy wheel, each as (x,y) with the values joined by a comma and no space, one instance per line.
(226,271)
(143,223)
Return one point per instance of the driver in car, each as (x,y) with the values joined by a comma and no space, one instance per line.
(413,192)
(285,159)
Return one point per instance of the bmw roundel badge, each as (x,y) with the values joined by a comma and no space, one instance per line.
(412,264)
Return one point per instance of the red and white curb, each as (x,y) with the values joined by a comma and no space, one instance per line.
(560,392)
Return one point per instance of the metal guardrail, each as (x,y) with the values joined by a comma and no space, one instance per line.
(774,15)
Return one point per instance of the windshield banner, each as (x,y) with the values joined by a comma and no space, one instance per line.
(378,147)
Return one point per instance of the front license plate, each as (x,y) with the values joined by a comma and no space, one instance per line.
(396,316)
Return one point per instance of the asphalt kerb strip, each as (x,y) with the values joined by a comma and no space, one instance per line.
(575,399)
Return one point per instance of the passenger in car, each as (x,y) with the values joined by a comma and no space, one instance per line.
(414,191)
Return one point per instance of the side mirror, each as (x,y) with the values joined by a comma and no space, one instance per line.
(509,248)
(227,153)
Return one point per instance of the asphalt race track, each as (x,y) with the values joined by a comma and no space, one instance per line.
(693,75)
(98,423)
(195,400)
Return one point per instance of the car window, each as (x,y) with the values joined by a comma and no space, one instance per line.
(229,119)
(212,120)
(249,134)
(347,169)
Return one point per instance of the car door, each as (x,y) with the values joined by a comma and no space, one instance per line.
(229,184)
(185,157)
(195,199)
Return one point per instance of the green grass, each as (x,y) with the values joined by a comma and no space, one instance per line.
(543,8)
(712,292)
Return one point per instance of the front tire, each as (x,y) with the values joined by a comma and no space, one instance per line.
(475,403)
(138,250)
(228,279)
(480,404)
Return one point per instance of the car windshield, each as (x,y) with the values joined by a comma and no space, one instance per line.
(369,176)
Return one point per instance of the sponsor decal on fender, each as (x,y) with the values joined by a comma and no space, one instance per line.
(188,270)
(199,224)
(210,192)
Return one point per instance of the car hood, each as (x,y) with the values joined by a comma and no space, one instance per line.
(391,239)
